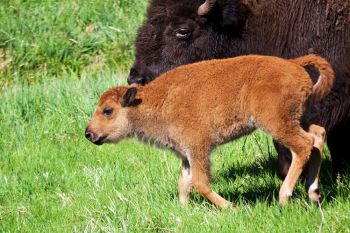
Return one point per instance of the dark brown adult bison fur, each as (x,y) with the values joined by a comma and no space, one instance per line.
(178,32)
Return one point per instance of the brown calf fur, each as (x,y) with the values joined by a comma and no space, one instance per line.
(194,108)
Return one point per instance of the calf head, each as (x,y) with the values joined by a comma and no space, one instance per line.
(110,122)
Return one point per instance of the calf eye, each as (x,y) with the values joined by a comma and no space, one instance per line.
(107,111)
(183,33)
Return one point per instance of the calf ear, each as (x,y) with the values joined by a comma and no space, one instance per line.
(129,97)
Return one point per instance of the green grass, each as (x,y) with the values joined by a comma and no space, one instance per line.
(53,180)
(42,40)
(56,57)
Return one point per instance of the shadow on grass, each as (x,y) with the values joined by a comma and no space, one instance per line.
(267,188)
(251,191)
(258,182)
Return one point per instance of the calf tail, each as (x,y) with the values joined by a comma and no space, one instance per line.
(325,81)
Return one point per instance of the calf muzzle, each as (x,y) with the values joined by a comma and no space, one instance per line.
(94,138)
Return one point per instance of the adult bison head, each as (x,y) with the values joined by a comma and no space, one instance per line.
(179,32)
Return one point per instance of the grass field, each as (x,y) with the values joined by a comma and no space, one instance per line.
(42,40)
(53,180)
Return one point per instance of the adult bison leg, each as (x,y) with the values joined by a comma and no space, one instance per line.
(338,143)
(284,159)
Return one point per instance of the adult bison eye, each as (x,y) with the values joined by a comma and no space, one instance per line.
(183,33)
(107,111)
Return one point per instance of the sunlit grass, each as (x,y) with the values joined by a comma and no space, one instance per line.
(56,57)
(42,40)
(53,179)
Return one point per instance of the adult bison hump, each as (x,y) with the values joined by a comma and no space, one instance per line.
(178,32)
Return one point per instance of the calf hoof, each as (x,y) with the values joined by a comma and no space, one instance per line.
(232,207)
(284,199)
(314,196)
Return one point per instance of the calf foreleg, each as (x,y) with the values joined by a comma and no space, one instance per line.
(185,182)
(200,166)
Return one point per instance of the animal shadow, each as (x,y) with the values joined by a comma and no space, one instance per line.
(255,181)
(259,182)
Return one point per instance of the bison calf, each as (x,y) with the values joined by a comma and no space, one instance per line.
(194,108)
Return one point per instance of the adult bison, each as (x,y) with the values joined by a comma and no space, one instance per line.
(177,32)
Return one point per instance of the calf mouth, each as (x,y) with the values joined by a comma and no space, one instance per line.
(99,140)
(94,138)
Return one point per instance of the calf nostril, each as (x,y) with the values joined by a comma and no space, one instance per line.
(88,134)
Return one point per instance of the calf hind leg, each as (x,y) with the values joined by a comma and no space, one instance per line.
(314,163)
(300,143)
(319,134)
